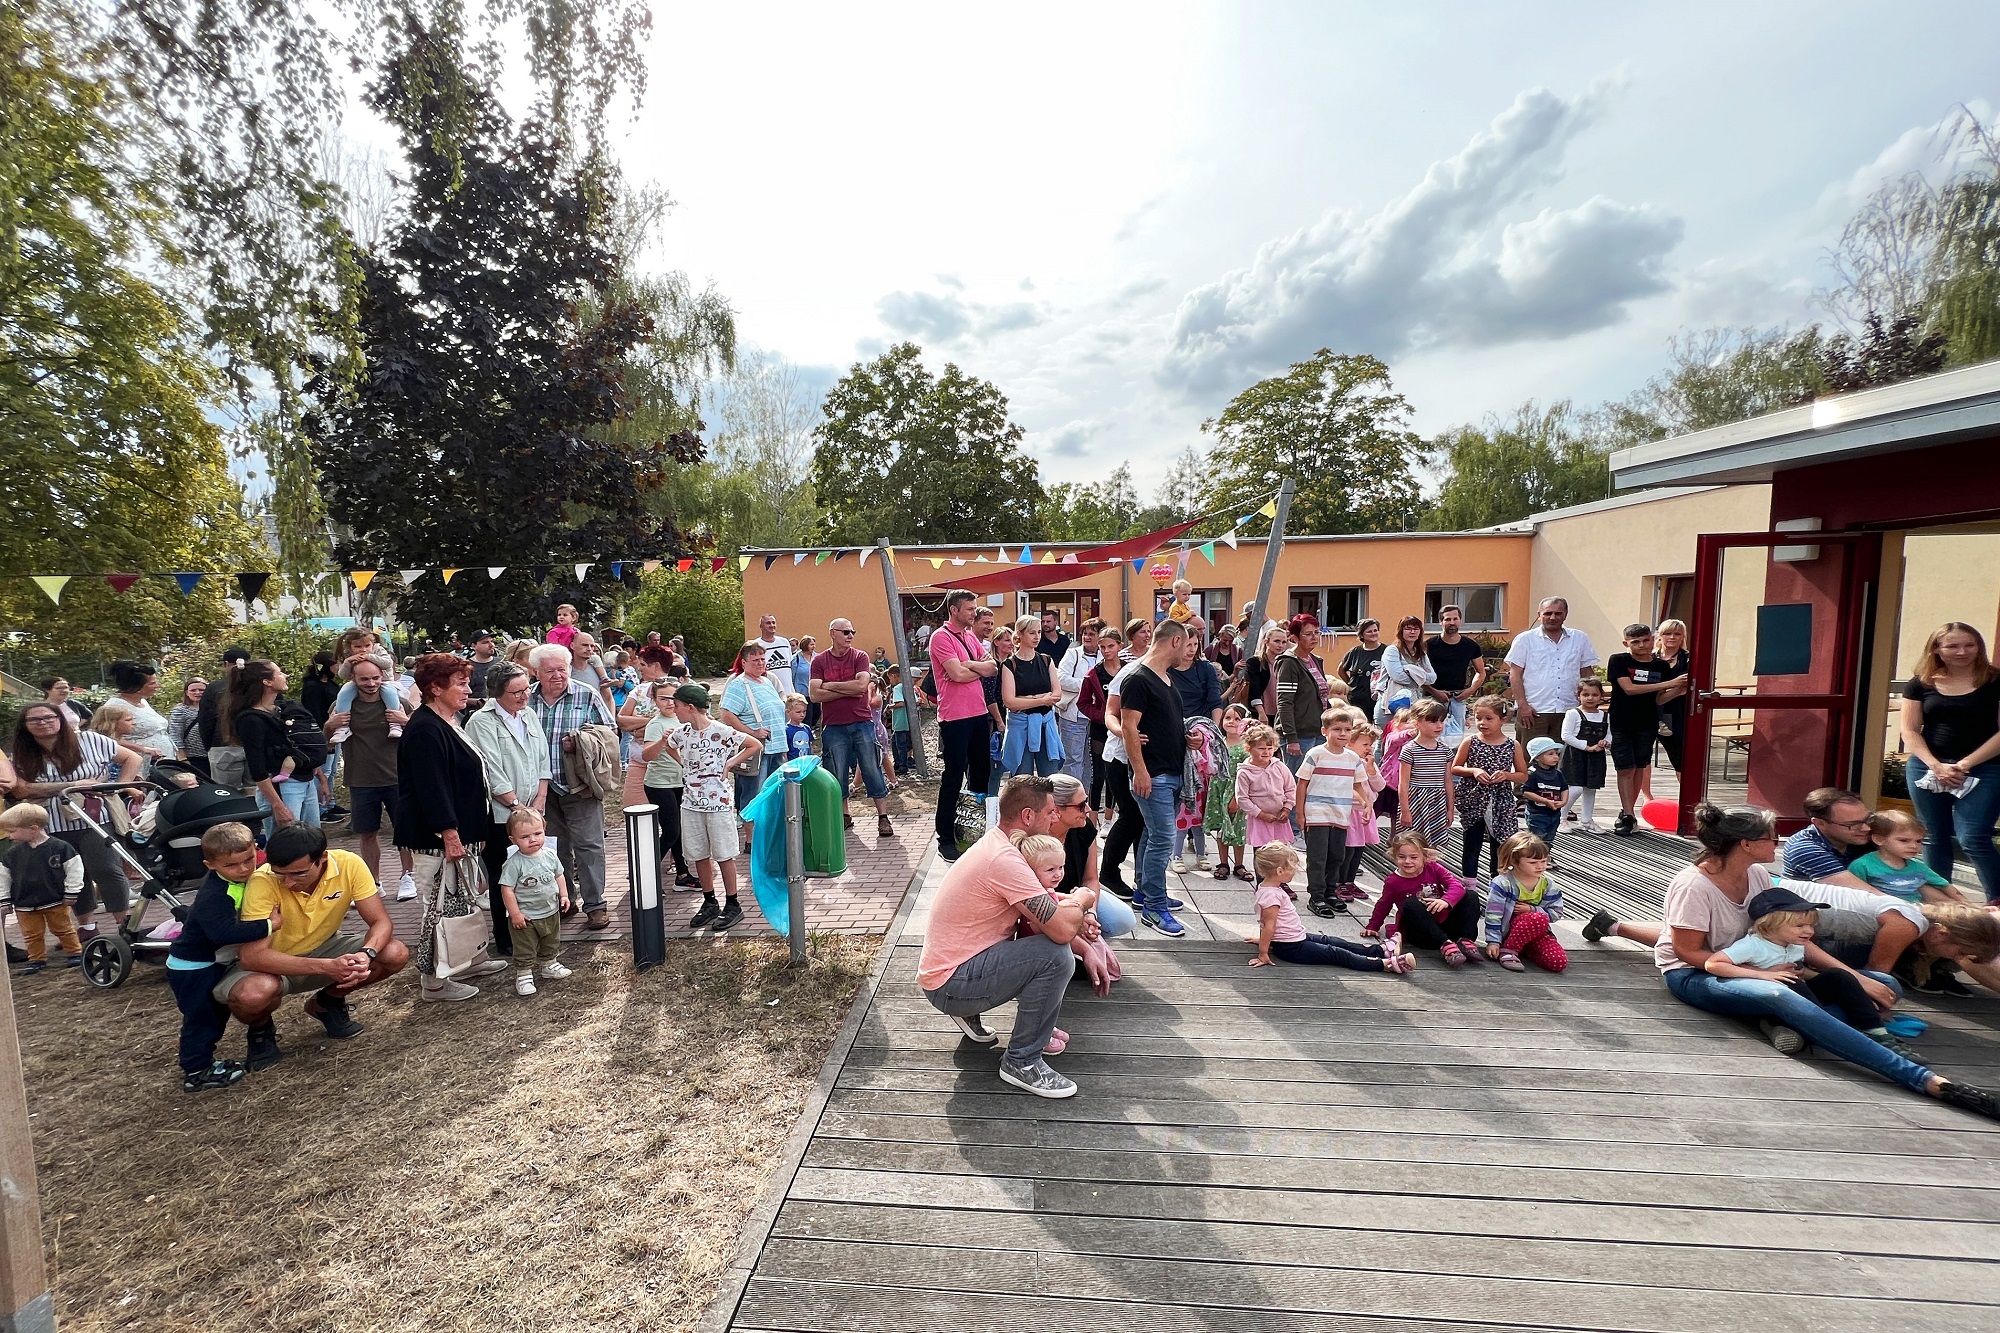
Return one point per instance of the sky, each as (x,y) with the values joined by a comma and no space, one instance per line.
(1124,215)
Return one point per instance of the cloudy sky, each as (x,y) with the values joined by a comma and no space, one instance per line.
(1124,215)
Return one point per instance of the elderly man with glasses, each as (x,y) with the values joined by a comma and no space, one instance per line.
(839,685)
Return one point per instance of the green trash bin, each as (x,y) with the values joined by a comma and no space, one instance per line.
(825,826)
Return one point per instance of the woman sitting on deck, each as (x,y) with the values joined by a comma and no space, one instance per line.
(1706,912)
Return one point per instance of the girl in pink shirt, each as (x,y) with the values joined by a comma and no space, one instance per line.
(1433,910)
(1281,933)
(1265,790)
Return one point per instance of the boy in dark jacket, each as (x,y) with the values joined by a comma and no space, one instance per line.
(41,877)
(230,853)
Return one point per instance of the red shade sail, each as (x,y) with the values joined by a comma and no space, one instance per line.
(1019,578)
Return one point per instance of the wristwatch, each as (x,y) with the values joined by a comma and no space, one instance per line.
(372,953)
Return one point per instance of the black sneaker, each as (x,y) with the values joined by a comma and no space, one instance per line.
(686,880)
(974,1027)
(1116,887)
(29,969)
(1320,907)
(334,811)
(710,909)
(1625,825)
(264,1051)
(1942,982)
(339,1024)
(948,848)
(732,912)
(218,1075)
(1599,925)
(1968,1098)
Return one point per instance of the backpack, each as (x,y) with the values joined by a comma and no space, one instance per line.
(304,736)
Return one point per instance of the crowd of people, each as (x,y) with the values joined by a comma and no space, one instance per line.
(1304,767)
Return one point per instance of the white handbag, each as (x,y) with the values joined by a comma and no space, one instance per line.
(461,942)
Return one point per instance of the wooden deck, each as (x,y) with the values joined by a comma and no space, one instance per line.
(1295,1149)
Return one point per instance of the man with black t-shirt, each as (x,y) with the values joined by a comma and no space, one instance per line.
(1460,664)
(1636,678)
(1155,732)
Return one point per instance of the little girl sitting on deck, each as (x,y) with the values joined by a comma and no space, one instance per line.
(1520,904)
(1280,932)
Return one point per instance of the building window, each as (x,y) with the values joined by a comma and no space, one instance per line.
(1484,605)
(1071,608)
(1336,609)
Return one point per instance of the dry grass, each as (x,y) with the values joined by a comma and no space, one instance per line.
(581,1160)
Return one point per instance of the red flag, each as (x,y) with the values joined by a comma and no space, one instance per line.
(684,566)
(121,582)
(715,565)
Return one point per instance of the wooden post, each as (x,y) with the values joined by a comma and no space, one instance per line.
(1124,595)
(25,1303)
(902,640)
(1272,546)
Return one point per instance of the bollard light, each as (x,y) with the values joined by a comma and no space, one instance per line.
(642,852)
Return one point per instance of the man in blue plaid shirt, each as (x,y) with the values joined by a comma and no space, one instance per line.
(575,817)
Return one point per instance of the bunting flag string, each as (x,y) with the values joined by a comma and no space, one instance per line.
(742,562)
(582,568)
(540,573)
(446,575)
(866,551)
(841,555)
(798,559)
(768,559)
(362,578)
(121,582)
(981,560)
(617,570)
(820,558)
(1003,557)
(1026,558)
(187,582)
(684,565)
(52,585)
(1228,539)
(1208,549)
(410,576)
(251,586)
(648,566)
(716,563)
(1270,509)
(495,571)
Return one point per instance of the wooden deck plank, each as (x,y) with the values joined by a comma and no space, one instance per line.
(1433,1293)
(1714,1268)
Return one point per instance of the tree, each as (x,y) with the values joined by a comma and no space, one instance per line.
(705,608)
(757,487)
(1507,470)
(1089,511)
(497,343)
(105,397)
(918,457)
(1336,427)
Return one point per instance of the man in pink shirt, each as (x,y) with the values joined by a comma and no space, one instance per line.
(971,960)
(965,731)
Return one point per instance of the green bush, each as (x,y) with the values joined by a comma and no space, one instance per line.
(1895,780)
(705,609)
(290,643)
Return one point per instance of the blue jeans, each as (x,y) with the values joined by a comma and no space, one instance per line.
(1292,762)
(1157,844)
(851,743)
(301,798)
(1741,997)
(749,784)
(1966,821)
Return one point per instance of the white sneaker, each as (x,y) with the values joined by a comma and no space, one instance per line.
(1201,860)
(524,985)
(406,887)
(554,971)
(1588,826)
(448,990)
(395,732)
(340,736)
(489,967)
(1177,865)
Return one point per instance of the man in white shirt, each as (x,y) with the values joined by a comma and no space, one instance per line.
(1543,667)
(1081,659)
(777,648)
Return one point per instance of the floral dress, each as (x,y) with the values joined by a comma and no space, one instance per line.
(1496,804)
(1229,830)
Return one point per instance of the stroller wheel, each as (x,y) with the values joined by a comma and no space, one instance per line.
(107,961)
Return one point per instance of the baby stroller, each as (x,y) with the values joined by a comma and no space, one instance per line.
(162,843)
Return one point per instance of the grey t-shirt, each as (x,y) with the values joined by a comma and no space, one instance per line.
(533,879)
(370,753)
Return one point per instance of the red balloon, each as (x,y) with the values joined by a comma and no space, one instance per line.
(1662,815)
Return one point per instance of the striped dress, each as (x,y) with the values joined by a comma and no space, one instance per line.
(1429,767)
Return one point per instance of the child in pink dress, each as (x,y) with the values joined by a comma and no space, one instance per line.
(1265,790)
(1364,832)
(1401,731)
(564,630)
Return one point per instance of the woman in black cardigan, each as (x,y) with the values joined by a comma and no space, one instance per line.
(441,812)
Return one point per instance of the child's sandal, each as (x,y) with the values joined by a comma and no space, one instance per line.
(1243,873)
(1400,963)
(1453,957)
(1471,950)
(1512,961)
(1222,870)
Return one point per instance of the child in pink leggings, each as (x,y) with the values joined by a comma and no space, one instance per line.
(1520,904)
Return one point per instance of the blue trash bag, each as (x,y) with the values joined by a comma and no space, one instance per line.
(767,846)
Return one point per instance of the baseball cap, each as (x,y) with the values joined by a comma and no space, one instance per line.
(1780,900)
(1540,746)
(479,635)
(694,696)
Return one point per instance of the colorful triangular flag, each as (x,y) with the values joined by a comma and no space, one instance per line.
(798,559)
(252,586)
(1003,557)
(769,558)
(1139,565)
(447,573)
(52,584)
(866,551)
(1069,559)
(121,582)
(1048,558)
(958,560)
(820,558)
(841,555)
(410,576)
(684,565)
(1228,539)
(617,569)
(495,571)
(582,568)
(187,582)
(362,578)
(716,563)
(540,573)
(1270,509)
(981,560)
(1026,557)
(742,563)
(648,566)
(1208,549)
(937,561)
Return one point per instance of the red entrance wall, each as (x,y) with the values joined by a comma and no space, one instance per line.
(1946,483)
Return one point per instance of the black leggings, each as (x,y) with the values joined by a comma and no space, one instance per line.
(1840,994)
(668,817)
(1125,834)
(1421,930)
(1471,836)
(966,747)
(493,854)
(104,880)
(1099,769)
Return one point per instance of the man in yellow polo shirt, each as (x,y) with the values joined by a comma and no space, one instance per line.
(305,889)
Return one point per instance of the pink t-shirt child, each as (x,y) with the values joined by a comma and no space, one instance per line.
(1289,929)
(562,634)
(957,699)
(1269,787)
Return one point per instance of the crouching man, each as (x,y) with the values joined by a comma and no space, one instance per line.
(307,890)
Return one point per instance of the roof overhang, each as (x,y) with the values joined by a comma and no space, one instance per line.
(1915,414)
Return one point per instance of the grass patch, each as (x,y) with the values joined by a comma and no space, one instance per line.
(579,1160)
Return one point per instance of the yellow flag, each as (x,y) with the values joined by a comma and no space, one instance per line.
(1048,558)
(362,578)
(937,561)
(448,573)
(1270,509)
(52,584)
(743,562)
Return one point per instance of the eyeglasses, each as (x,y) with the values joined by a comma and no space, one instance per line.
(837,630)
(44,720)
(1852,825)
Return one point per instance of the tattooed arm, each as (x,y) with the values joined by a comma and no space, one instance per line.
(1061,916)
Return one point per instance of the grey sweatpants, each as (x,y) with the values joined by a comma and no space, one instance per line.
(576,821)
(1034,970)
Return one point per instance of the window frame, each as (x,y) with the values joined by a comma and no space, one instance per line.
(1322,598)
(1454,594)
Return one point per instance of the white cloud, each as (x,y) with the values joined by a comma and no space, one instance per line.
(1915,151)
(1433,266)
(931,317)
